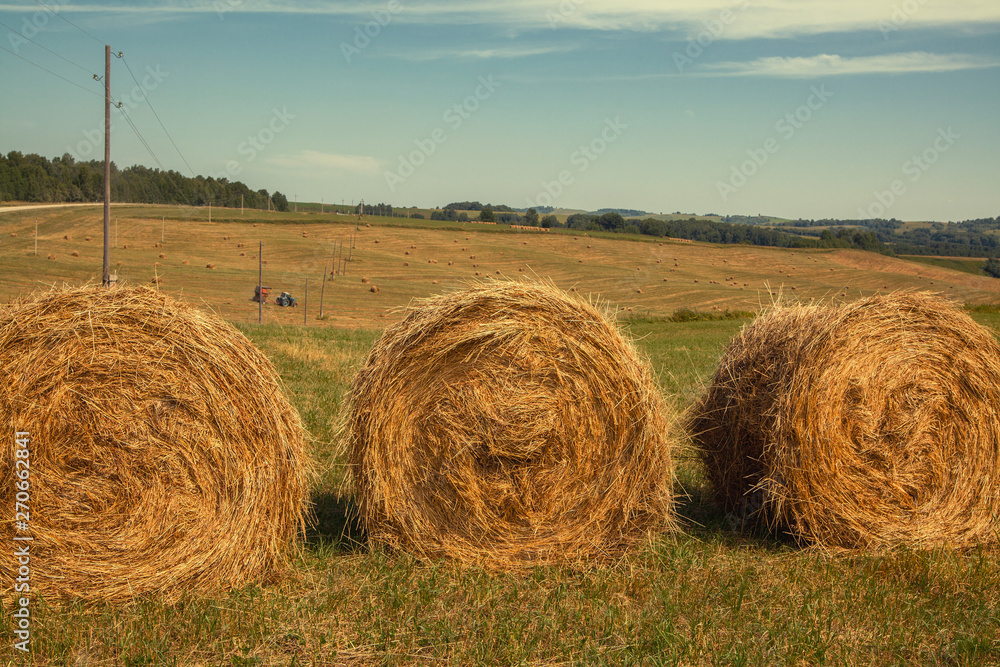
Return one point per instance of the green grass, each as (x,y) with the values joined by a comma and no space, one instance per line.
(706,596)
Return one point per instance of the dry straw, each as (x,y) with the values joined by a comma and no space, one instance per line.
(870,425)
(506,425)
(165,458)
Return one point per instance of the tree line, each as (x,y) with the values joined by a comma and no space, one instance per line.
(36,179)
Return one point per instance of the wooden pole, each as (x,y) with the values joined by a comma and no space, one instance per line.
(322,293)
(107,167)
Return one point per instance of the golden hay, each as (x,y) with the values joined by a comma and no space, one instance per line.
(871,425)
(509,424)
(164,457)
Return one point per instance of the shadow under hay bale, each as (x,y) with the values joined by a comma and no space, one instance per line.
(509,425)
(869,425)
(164,456)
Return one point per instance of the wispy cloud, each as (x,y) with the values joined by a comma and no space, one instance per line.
(501,52)
(308,159)
(753,18)
(835,65)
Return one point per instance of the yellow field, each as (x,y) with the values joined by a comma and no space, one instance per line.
(638,273)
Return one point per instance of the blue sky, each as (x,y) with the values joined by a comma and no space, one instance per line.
(795,108)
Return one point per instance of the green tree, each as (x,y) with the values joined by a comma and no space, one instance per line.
(486,215)
(612,222)
(550,221)
(992,267)
(531,218)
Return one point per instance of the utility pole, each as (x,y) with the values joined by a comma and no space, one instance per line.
(106,280)
(260,283)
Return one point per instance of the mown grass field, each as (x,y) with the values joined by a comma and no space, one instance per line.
(705,596)
(414,258)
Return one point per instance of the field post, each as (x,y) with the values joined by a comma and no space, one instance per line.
(322,293)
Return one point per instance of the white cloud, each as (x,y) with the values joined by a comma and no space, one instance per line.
(315,160)
(750,18)
(834,65)
(502,52)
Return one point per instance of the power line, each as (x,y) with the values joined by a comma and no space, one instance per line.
(49,50)
(150,103)
(51,11)
(138,134)
(88,90)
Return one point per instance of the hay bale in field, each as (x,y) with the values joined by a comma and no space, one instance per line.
(210,266)
(868,425)
(507,425)
(154,469)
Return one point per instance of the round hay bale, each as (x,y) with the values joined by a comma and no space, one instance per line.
(869,425)
(374,289)
(51,256)
(509,424)
(154,469)
(365,281)
(210,266)
(163,255)
(74,254)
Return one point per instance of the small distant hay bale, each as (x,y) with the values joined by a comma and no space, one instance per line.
(156,280)
(66,237)
(13,234)
(243,254)
(74,254)
(163,255)
(52,256)
(366,280)
(87,238)
(507,425)
(187,473)
(210,266)
(186,262)
(374,289)
(869,425)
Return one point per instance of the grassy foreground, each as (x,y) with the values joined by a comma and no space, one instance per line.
(704,597)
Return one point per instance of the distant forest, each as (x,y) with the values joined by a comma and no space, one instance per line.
(33,178)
